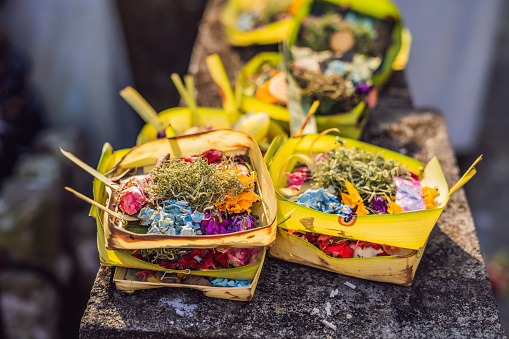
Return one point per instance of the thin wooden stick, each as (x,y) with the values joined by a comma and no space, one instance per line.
(89,169)
(146,112)
(98,205)
(312,111)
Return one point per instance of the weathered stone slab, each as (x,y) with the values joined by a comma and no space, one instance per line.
(451,295)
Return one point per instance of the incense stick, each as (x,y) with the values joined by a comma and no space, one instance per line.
(89,169)
(105,209)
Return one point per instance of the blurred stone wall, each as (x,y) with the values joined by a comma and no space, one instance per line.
(48,251)
(450,61)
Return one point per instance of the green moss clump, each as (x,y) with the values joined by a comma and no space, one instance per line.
(198,183)
(370,173)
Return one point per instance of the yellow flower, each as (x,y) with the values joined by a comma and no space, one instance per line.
(238,204)
(429,197)
(361,210)
(353,199)
(394,208)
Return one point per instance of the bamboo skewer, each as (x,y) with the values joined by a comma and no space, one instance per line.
(105,209)
(89,169)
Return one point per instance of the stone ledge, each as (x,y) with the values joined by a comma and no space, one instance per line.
(451,294)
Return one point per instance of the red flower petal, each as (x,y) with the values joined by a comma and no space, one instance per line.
(207,264)
(143,273)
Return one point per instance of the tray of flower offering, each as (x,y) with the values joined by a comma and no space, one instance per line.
(198,191)
(356,209)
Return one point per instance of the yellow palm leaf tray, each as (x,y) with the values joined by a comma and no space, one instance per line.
(350,123)
(142,159)
(271,33)
(244,293)
(407,230)
(396,269)
(181,119)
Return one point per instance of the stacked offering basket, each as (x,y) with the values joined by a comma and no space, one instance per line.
(350,122)
(113,241)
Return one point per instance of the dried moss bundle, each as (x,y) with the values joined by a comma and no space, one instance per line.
(370,173)
(198,183)
(322,87)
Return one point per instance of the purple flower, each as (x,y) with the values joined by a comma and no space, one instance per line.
(362,88)
(379,204)
(241,222)
(214,223)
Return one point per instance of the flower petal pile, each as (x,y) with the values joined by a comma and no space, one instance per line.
(338,247)
(210,258)
(207,194)
(238,204)
(430,195)
(173,218)
(359,182)
(323,201)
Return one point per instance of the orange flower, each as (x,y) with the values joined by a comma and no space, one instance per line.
(430,195)
(263,94)
(394,208)
(238,204)
(247,180)
(296,5)
(354,199)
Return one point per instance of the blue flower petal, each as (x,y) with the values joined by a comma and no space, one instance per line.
(322,201)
